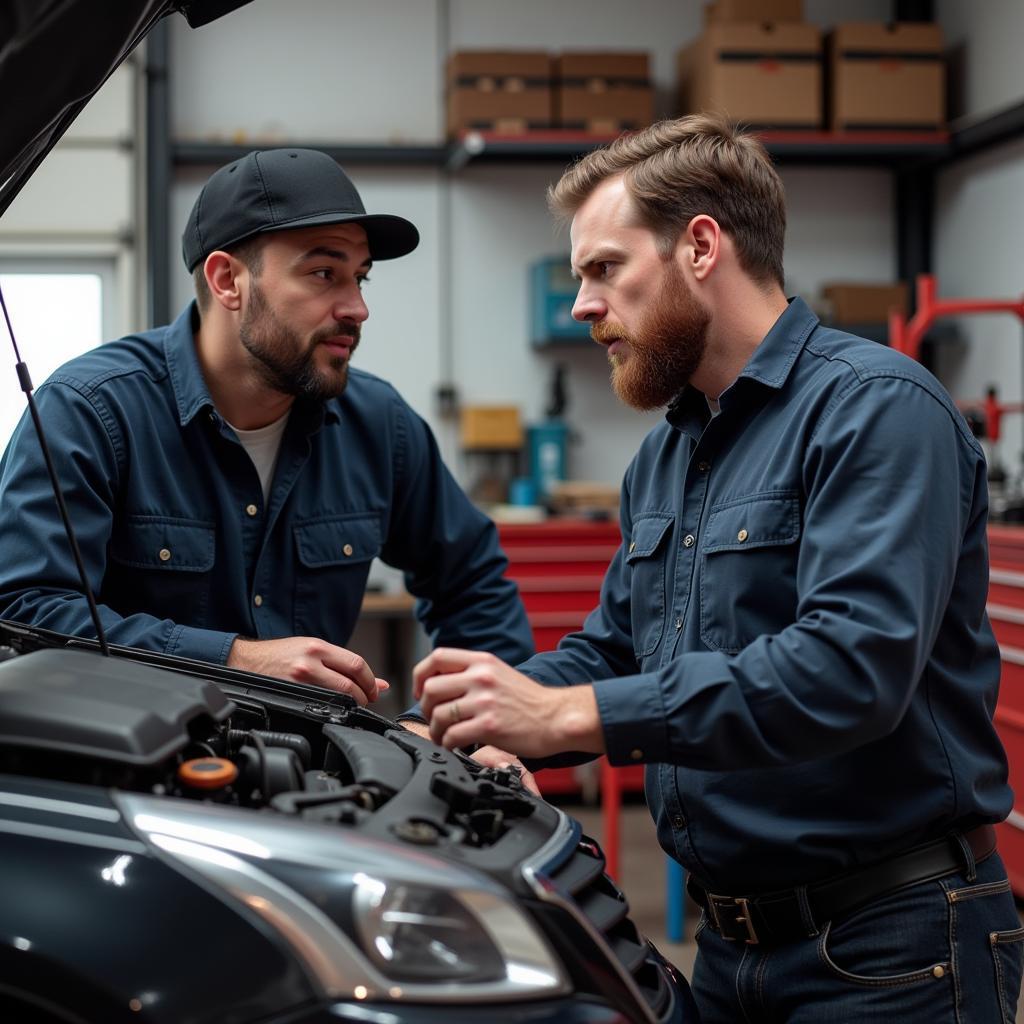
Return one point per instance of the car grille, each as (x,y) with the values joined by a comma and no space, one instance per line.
(581,879)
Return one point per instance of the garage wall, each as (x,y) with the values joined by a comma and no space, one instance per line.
(334,70)
(979,223)
(82,200)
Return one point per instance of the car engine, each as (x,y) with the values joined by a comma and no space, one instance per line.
(161,735)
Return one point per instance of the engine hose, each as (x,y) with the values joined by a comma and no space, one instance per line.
(291,740)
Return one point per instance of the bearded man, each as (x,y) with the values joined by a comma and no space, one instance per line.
(230,478)
(792,637)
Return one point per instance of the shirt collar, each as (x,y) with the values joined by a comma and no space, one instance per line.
(190,391)
(770,365)
(773,359)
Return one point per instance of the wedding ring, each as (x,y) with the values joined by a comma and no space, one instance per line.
(456,717)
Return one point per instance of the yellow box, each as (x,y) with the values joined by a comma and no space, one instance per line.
(490,427)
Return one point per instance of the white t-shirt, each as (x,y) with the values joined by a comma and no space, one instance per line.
(263,444)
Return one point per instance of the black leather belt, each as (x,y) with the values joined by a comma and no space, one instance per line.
(790,914)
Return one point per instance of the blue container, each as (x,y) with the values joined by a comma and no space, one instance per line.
(522,491)
(548,443)
(552,294)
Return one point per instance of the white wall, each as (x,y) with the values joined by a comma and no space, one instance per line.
(338,71)
(979,224)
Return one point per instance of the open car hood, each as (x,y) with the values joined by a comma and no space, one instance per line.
(55,55)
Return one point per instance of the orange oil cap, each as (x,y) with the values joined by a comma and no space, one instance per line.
(207,772)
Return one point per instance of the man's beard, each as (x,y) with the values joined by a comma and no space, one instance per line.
(665,349)
(283,361)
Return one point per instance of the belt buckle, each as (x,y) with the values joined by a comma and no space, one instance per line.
(723,908)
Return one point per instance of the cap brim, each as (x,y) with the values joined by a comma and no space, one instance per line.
(387,235)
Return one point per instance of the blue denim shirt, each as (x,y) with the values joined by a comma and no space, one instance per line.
(793,634)
(180,548)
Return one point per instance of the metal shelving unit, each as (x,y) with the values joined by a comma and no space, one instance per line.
(888,149)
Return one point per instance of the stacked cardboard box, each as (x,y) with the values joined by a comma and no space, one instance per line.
(760,73)
(603,93)
(507,91)
(886,76)
(518,91)
(756,63)
(863,303)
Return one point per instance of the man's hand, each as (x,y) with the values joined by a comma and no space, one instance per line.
(305,659)
(491,757)
(495,757)
(473,697)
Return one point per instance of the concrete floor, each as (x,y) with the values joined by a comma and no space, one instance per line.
(643,879)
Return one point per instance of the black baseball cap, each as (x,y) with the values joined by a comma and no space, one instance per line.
(275,189)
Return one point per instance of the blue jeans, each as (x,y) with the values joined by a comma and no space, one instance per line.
(942,952)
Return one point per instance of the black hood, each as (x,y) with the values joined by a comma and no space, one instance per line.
(55,55)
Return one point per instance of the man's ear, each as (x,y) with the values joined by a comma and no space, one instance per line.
(222,272)
(704,245)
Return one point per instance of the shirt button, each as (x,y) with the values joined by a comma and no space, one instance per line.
(164,555)
(257,600)
(742,536)
(636,754)
(251,510)
(689,540)
(347,549)
(679,624)
(677,821)
(703,466)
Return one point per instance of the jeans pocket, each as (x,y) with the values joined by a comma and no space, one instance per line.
(874,961)
(988,945)
(1007,956)
(899,940)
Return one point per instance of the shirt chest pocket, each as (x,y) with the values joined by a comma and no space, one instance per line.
(748,570)
(166,545)
(646,554)
(334,555)
(338,541)
(162,565)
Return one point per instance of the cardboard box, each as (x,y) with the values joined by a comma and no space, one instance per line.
(603,93)
(763,75)
(506,91)
(490,428)
(864,303)
(753,10)
(886,76)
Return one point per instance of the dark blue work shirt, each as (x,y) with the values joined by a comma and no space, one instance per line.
(793,634)
(180,548)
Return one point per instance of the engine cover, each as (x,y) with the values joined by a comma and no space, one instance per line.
(76,702)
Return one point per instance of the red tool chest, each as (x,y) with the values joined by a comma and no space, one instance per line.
(1006,612)
(559,566)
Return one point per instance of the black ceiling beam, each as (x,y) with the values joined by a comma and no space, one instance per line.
(914,10)
(158,176)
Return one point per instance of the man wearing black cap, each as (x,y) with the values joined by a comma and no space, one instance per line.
(230,478)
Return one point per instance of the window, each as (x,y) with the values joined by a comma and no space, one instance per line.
(58,309)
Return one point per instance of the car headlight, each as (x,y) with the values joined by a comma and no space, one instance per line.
(367,921)
(417,933)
